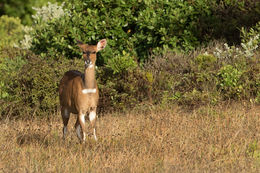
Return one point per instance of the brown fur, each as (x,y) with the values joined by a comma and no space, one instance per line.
(71,95)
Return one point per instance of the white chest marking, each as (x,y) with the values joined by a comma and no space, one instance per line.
(87,91)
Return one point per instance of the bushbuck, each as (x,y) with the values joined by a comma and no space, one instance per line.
(79,93)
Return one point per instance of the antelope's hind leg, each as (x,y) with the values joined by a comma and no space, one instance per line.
(65,118)
(78,129)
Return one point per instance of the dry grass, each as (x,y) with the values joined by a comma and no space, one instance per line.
(208,139)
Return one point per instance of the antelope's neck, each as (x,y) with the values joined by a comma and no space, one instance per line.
(90,82)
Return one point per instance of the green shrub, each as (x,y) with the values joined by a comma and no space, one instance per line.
(121,64)
(136,27)
(199,78)
(229,82)
(226,17)
(205,62)
(251,78)
(250,39)
(31,83)
(8,71)
(11,31)
(121,91)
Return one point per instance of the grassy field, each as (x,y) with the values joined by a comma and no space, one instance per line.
(209,139)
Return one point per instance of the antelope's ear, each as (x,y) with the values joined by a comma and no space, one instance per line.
(101,44)
(80,44)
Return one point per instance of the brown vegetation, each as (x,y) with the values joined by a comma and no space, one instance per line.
(208,139)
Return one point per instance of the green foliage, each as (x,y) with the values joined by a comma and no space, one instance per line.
(204,79)
(253,150)
(205,61)
(21,8)
(257,99)
(250,39)
(121,64)
(120,91)
(134,27)
(29,84)
(223,21)
(18,8)
(8,71)
(246,35)
(229,81)
(11,31)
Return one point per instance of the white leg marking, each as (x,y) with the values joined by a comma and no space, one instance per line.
(78,131)
(95,137)
(82,119)
(65,131)
(92,116)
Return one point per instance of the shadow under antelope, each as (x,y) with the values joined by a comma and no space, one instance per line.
(79,93)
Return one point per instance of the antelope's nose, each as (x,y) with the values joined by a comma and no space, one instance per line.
(88,62)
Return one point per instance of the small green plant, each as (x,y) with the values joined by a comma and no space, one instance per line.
(253,150)
(229,83)
(251,35)
(205,61)
(122,63)
(257,99)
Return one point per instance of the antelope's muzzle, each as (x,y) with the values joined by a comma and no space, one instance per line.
(88,62)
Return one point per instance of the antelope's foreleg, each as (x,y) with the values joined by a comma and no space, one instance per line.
(78,129)
(92,119)
(81,119)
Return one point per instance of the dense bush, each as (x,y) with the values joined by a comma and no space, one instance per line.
(134,27)
(29,83)
(8,71)
(141,27)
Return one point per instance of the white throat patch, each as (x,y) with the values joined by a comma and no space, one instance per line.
(87,91)
(91,66)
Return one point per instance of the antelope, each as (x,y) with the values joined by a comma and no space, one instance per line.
(78,92)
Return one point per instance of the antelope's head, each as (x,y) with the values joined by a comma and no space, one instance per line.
(90,52)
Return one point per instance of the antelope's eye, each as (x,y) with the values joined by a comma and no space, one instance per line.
(94,52)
